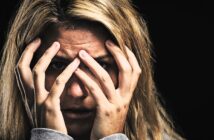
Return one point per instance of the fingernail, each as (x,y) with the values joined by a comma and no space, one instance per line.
(56,44)
(83,54)
(76,61)
(109,43)
(37,40)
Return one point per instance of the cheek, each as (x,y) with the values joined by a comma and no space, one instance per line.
(49,80)
(114,76)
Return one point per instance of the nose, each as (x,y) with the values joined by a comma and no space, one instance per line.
(75,88)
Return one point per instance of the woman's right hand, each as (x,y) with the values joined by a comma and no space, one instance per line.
(48,102)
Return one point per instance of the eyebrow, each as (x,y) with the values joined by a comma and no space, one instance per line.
(106,57)
(61,58)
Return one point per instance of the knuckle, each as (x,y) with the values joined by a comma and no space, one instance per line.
(20,65)
(118,107)
(125,104)
(48,105)
(138,71)
(60,81)
(92,88)
(107,111)
(36,71)
(127,69)
(104,78)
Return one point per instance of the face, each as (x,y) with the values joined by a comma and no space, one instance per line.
(77,104)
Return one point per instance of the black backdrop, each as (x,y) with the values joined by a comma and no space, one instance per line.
(179,31)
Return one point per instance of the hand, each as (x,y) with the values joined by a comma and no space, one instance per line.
(112,104)
(48,102)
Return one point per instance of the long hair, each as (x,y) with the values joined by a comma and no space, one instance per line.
(146,118)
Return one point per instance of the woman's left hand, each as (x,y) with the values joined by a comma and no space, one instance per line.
(112,103)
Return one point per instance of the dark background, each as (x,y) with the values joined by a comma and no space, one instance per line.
(180,33)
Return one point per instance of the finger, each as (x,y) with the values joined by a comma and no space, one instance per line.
(40,68)
(24,98)
(136,70)
(100,73)
(125,69)
(26,91)
(20,83)
(23,66)
(94,89)
(63,78)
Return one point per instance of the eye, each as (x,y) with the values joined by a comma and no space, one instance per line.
(104,65)
(57,65)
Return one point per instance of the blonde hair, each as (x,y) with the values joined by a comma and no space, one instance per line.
(146,117)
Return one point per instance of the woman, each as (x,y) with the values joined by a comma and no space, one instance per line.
(79,69)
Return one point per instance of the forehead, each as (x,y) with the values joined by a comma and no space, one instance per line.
(72,41)
(88,37)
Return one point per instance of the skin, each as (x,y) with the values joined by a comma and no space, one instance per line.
(81,82)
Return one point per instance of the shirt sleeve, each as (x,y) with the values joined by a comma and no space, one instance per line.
(117,136)
(48,134)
